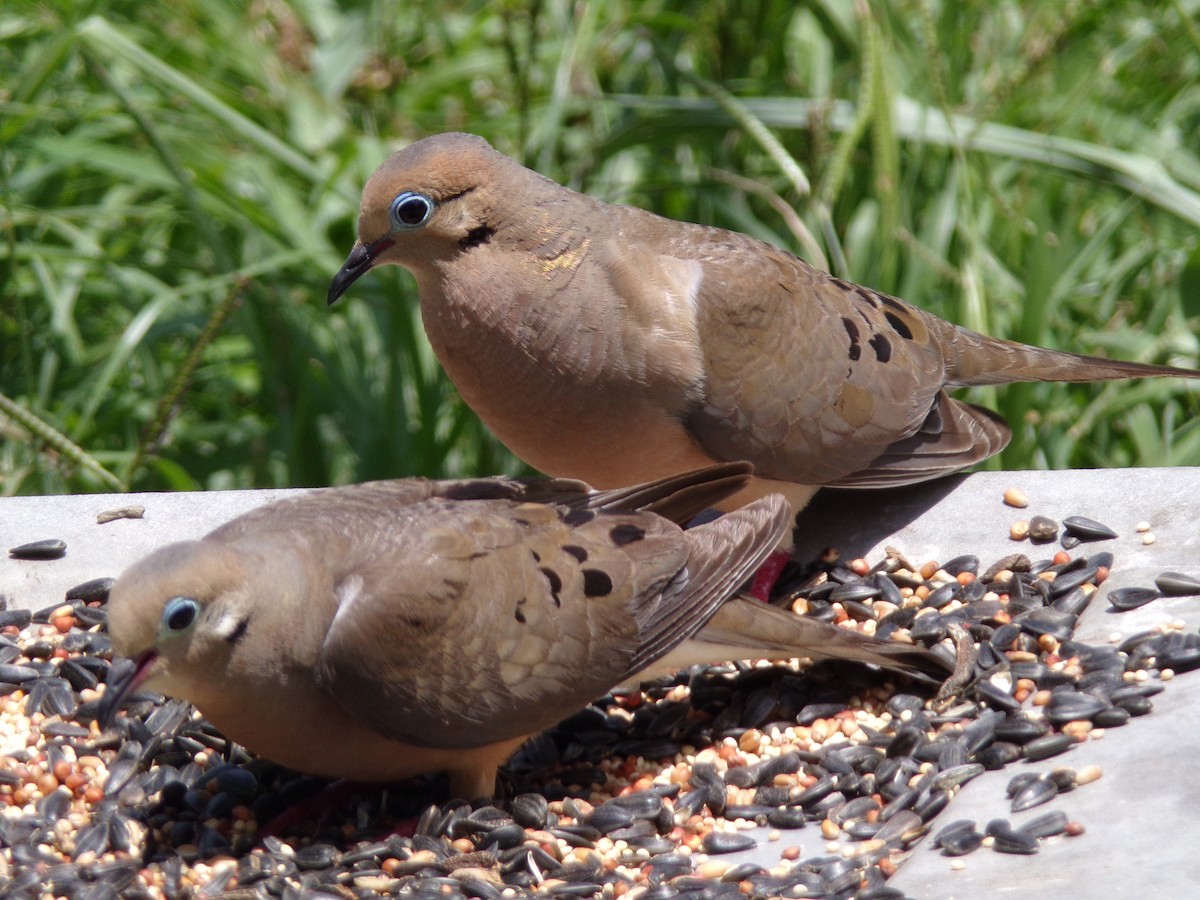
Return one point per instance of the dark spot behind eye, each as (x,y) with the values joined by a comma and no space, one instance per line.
(578,552)
(882,348)
(555,583)
(898,325)
(626,534)
(578,516)
(536,558)
(477,236)
(520,616)
(596,583)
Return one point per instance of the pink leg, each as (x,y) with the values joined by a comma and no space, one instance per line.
(327,802)
(768,574)
(315,808)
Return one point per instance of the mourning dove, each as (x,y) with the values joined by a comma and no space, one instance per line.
(394,628)
(607,343)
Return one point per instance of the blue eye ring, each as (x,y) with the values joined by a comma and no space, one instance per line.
(410,210)
(179,614)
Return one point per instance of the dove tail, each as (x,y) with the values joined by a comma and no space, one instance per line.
(747,629)
(721,555)
(977,359)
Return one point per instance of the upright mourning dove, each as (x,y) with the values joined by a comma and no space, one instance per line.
(606,343)
(394,628)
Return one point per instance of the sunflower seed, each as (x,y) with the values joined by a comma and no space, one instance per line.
(1125,599)
(1086,529)
(51,548)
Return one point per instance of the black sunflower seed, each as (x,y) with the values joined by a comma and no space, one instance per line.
(1047,825)
(1086,529)
(1176,584)
(1125,599)
(1008,840)
(1048,746)
(727,842)
(51,548)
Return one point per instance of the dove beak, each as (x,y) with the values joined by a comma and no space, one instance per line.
(124,676)
(358,263)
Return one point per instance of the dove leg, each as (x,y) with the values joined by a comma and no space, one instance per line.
(314,808)
(473,773)
(798,496)
(768,574)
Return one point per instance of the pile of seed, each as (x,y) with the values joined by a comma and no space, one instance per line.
(641,793)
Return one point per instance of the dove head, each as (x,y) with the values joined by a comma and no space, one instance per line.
(178,614)
(431,202)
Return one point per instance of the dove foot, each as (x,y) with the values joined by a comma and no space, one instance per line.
(311,814)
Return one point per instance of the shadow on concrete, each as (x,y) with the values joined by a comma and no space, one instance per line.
(854,521)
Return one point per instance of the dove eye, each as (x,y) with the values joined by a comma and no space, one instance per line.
(410,210)
(179,614)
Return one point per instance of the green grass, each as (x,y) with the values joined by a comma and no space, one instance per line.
(178,182)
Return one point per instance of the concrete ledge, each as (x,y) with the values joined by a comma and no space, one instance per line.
(98,551)
(1142,817)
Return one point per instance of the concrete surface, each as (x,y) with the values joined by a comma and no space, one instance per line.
(98,551)
(1142,817)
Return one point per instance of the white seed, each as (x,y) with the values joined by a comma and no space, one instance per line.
(1016,497)
(1088,774)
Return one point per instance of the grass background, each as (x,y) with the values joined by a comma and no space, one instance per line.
(178,182)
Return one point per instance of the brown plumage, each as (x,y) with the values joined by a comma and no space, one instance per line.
(607,343)
(384,630)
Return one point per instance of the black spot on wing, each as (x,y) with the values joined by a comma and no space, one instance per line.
(868,296)
(578,516)
(596,583)
(555,584)
(898,325)
(853,333)
(578,552)
(480,489)
(626,534)
(882,347)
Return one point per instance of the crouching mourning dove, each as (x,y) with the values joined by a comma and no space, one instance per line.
(606,343)
(394,628)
